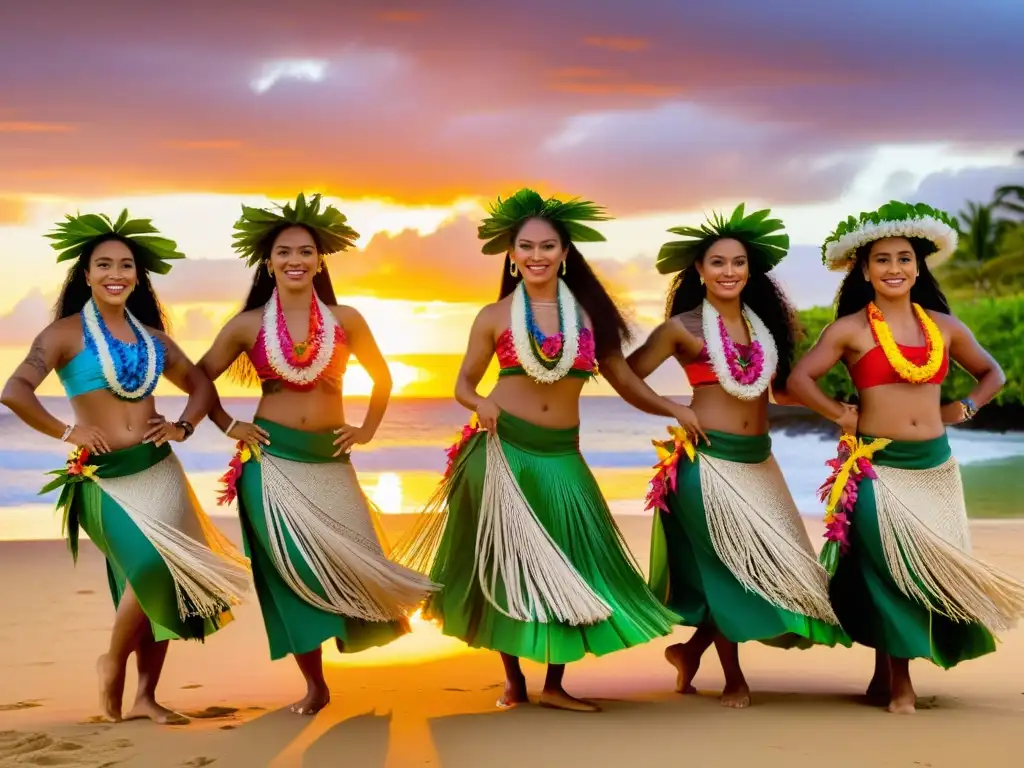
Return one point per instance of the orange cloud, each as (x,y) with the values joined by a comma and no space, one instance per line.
(626,44)
(23,126)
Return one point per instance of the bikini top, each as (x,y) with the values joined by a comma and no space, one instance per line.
(583,367)
(700,372)
(334,371)
(873,368)
(83,373)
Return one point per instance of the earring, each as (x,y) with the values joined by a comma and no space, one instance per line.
(702,279)
(513,269)
(270,269)
(320,267)
(565,268)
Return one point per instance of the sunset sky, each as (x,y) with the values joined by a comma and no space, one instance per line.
(410,117)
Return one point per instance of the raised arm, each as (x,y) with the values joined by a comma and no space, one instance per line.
(365,348)
(802,384)
(189,378)
(479,352)
(664,342)
(975,359)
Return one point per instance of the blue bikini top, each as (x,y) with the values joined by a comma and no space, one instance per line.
(82,374)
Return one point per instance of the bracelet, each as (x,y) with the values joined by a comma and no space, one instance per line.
(186,427)
(67,433)
(231,426)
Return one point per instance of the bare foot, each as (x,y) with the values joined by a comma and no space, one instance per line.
(111,675)
(735,696)
(316,699)
(144,708)
(904,700)
(515,693)
(559,699)
(686,664)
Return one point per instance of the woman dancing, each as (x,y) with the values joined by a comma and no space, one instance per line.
(518,533)
(905,583)
(171,573)
(729,552)
(317,554)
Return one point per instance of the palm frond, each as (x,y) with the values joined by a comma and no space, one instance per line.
(255,225)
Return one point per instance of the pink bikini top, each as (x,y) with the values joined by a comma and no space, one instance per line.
(584,366)
(333,373)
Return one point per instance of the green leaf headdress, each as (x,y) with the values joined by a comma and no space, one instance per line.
(76,235)
(894,219)
(525,204)
(329,224)
(766,244)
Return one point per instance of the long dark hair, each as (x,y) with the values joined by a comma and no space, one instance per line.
(761,293)
(262,288)
(610,328)
(855,292)
(142,302)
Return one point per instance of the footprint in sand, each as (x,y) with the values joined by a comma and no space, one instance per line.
(211,713)
(19,705)
(23,748)
(196,762)
(190,686)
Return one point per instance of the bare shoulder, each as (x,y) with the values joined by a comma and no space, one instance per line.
(61,335)
(690,322)
(846,328)
(949,323)
(245,325)
(349,317)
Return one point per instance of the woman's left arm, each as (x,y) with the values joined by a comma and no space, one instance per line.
(365,348)
(635,390)
(189,378)
(965,350)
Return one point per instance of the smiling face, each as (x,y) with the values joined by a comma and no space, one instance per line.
(538,252)
(725,269)
(111,273)
(294,259)
(891,267)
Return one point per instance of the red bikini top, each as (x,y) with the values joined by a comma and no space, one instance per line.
(334,372)
(700,372)
(873,369)
(585,363)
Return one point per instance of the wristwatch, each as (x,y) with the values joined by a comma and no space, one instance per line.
(969,408)
(185,427)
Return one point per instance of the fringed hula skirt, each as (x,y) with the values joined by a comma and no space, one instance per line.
(137,507)
(317,550)
(908,584)
(530,558)
(728,547)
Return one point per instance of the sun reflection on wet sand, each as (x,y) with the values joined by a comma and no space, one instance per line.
(424,643)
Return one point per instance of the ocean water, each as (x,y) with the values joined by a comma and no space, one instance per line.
(411,443)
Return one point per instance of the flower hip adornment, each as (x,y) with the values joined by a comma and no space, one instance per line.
(850,467)
(667,468)
(455,449)
(244,453)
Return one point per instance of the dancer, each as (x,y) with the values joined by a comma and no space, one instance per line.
(318,553)
(518,533)
(729,552)
(905,582)
(172,575)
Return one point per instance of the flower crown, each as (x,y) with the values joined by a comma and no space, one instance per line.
(77,234)
(894,219)
(329,224)
(507,215)
(762,237)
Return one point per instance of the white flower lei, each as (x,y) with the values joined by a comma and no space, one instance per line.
(94,327)
(716,353)
(275,355)
(570,335)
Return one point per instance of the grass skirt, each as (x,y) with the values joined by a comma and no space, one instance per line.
(731,550)
(317,551)
(908,584)
(139,510)
(548,532)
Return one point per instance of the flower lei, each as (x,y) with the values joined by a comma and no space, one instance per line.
(243,454)
(304,363)
(908,371)
(75,471)
(667,468)
(851,465)
(533,357)
(744,379)
(130,370)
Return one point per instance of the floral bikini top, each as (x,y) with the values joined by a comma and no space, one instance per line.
(300,366)
(584,367)
(700,372)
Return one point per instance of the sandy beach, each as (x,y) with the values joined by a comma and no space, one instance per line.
(426,700)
